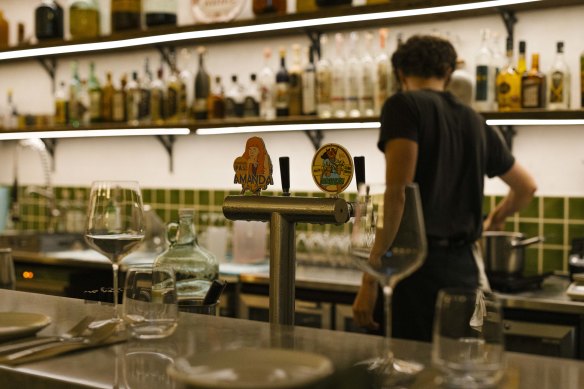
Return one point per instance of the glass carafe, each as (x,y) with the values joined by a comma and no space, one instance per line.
(195,267)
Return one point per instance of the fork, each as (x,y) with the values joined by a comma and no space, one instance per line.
(74,332)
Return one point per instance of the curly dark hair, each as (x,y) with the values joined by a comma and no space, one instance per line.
(425,56)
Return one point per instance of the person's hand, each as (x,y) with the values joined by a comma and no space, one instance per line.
(490,224)
(364,303)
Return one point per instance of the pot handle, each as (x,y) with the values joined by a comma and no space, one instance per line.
(527,242)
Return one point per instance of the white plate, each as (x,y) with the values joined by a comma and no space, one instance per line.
(249,368)
(20,324)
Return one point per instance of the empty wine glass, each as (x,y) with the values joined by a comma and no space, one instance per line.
(406,254)
(115,225)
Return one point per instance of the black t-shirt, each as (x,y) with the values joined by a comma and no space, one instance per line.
(456,150)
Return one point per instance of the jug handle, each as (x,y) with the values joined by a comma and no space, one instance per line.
(527,242)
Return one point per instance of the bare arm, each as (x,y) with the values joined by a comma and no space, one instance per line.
(521,190)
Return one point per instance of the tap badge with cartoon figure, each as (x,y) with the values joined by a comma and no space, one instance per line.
(253,170)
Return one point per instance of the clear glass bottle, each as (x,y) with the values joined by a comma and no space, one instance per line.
(323,81)
(145,90)
(95,96)
(11,116)
(84,19)
(461,83)
(234,99)
(83,103)
(160,12)
(338,90)
(195,268)
(366,100)
(202,88)
(559,91)
(309,85)
(158,99)
(251,106)
(267,85)
(133,100)
(382,73)
(119,113)
(485,75)
(217,100)
(61,105)
(295,89)
(48,20)
(74,96)
(354,77)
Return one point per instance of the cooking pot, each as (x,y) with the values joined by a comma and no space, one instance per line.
(504,252)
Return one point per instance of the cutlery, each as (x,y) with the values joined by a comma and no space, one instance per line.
(74,332)
(97,336)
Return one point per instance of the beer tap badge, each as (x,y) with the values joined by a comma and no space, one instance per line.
(332,168)
(253,170)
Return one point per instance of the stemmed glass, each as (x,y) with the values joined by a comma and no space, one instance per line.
(115,225)
(406,254)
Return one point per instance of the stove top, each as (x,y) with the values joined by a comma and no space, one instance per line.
(516,283)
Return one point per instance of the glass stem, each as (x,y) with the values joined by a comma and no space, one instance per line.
(387,295)
(115,268)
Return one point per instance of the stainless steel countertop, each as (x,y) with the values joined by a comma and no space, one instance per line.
(110,366)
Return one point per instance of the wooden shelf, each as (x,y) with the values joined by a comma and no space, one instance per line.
(281,29)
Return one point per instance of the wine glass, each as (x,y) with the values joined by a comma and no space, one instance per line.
(406,254)
(115,225)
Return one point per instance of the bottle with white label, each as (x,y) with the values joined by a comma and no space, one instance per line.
(267,85)
(323,81)
(251,106)
(282,87)
(382,73)
(559,81)
(354,77)
(484,75)
(338,90)
(366,100)
(295,90)
(309,85)
(133,96)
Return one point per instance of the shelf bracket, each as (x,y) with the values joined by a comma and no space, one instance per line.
(509,19)
(168,55)
(167,142)
(315,137)
(508,133)
(314,37)
(50,146)
(50,65)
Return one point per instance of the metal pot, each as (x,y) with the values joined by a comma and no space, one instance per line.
(504,252)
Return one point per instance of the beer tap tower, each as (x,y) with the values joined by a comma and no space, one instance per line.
(283,213)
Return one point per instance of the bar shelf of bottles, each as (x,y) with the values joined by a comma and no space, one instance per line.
(324,19)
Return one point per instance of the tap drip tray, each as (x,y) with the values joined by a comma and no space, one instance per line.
(514,283)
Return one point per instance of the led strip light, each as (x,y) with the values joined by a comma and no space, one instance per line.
(93,133)
(227,31)
(288,127)
(535,122)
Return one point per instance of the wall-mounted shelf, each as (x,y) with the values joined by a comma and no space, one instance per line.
(397,12)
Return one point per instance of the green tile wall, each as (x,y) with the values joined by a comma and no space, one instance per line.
(558,219)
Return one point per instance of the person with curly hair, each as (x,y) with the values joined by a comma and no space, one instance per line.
(429,137)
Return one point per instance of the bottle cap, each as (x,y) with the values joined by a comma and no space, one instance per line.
(522,47)
(560,47)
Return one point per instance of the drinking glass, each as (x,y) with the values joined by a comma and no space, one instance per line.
(467,344)
(406,254)
(150,308)
(115,225)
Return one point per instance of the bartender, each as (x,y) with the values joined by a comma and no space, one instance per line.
(429,137)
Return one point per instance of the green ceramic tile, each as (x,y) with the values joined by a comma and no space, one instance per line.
(159,196)
(147,196)
(575,231)
(337,229)
(509,226)
(175,197)
(234,192)
(486,204)
(173,215)
(218,197)
(300,194)
(553,208)
(553,233)
(529,229)
(189,197)
(532,210)
(530,265)
(576,206)
(204,197)
(553,260)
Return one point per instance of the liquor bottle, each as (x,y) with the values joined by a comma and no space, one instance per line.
(499,61)
(461,83)
(84,19)
(4,31)
(533,86)
(521,59)
(61,105)
(11,116)
(323,81)
(157,99)
(338,90)
(295,89)
(217,100)
(107,96)
(160,12)
(282,87)
(74,96)
(125,15)
(262,7)
(95,96)
(309,85)
(251,103)
(382,73)
(83,103)
(48,20)
(119,101)
(509,84)
(133,100)
(234,99)
(484,75)
(145,88)
(202,88)
(354,77)
(173,96)
(366,97)
(267,86)
(559,93)
(195,268)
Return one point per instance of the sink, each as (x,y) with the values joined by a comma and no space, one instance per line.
(38,241)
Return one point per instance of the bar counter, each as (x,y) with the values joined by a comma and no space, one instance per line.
(118,365)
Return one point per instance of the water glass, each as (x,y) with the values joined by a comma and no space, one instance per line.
(467,345)
(150,302)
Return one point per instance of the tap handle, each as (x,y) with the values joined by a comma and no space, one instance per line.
(285,174)
(359,171)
